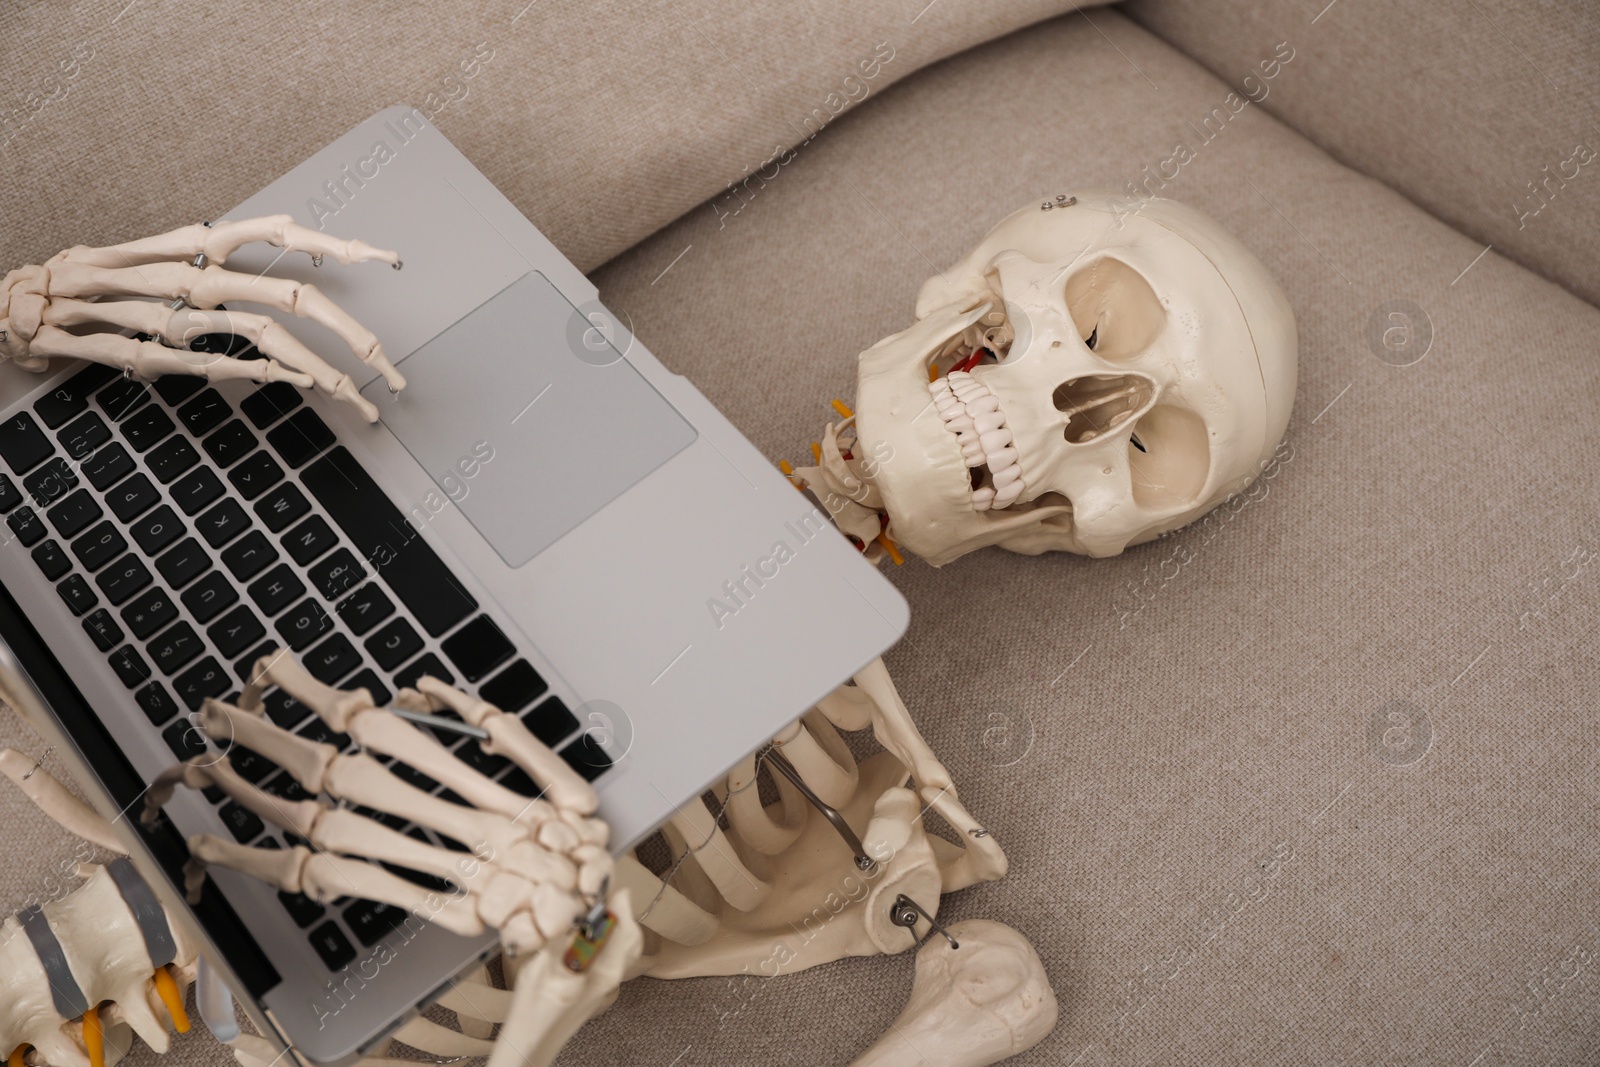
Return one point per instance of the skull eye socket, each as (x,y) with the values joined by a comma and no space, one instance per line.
(1114,308)
(1171,460)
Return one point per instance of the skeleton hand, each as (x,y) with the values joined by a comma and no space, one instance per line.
(535,866)
(184,269)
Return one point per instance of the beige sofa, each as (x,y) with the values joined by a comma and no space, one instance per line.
(1313,781)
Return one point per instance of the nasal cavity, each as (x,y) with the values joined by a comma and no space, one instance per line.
(1097,404)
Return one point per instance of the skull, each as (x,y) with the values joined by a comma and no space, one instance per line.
(1098,376)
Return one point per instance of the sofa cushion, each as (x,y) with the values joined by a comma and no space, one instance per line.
(1482,113)
(1309,780)
(601,121)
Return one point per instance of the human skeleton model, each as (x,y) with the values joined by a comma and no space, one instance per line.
(1086,379)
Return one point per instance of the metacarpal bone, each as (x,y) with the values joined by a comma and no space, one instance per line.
(508,737)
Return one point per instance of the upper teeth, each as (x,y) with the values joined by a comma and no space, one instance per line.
(973,414)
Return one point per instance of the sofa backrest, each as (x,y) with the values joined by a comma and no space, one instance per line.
(1484,113)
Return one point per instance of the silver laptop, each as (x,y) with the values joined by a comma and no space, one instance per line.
(545,515)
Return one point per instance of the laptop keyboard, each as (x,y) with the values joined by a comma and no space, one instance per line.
(187,539)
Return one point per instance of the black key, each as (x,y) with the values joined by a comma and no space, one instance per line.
(145,429)
(245,668)
(282,506)
(394,644)
(122,579)
(332,946)
(251,765)
(185,739)
(430,665)
(473,755)
(221,344)
(83,435)
(156,703)
(368,679)
(286,787)
(133,497)
(244,824)
(99,546)
(304,911)
(309,540)
(335,574)
(130,666)
(22,444)
(71,397)
(371,920)
(249,555)
(223,523)
(300,438)
(176,388)
(514,688)
(236,631)
(383,537)
(149,612)
(393,822)
(76,592)
(550,721)
(518,782)
(107,465)
(284,710)
(270,403)
(9,496)
(74,513)
(204,679)
(52,560)
(256,474)
(102,630)
(320,732)
(172,648)
(304,624)
(26,525)
(365,608)
(207,598)
(276,589)
(157,530)
(230,444)
(183,563)
(413,777)
(333,659)
(204,413)
(121,397)
(172,459)
(51,482)
(478,648)
(196,489)
(586,757)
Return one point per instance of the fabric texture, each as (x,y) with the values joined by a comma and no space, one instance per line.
(1482,113)
(600,121)
(1311,780)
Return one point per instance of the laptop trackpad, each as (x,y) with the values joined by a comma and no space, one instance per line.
(528,419)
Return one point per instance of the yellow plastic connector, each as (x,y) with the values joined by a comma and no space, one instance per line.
(94,1038)
(167,990)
